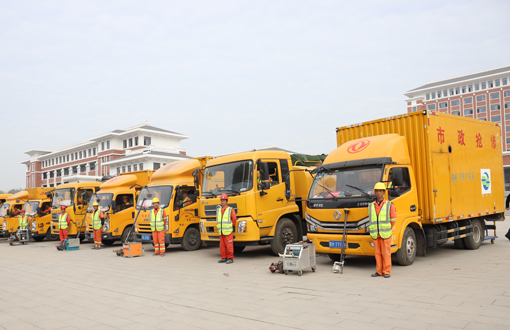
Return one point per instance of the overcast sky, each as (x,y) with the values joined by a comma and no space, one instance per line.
(233,75)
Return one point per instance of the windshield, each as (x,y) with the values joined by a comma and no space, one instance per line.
(4,209)
(231,177)
(105,202)
(63,197)
(163,193)
(342,183)
(31,207)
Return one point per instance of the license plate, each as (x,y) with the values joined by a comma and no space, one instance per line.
(146,237)
(90,235)
(335,244)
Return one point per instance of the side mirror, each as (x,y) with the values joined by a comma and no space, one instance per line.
(397,176)
(179,194)
(265,185)
(264,171)
(114,206)
(287,182)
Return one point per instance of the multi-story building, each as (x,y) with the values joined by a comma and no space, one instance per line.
(482,95)
(141,147)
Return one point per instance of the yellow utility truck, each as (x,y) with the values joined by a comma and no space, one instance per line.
(444,174)
(10,211)
(268,210)
(3,198)
(38,211)
(75,196)
(117,201)
(170,184)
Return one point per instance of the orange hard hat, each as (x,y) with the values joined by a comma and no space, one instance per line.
(224,196)
(23,210)
(62,207)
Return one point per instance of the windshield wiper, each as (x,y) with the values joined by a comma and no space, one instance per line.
(329,191)
(359,189)
(232,190)
(209,193)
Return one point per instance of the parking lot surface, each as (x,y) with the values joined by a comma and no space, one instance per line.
(43,288)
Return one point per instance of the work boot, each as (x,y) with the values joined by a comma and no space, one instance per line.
(93,248)
(229,261)
(99,247)
(222,260)
(386,275)
(155,254)
(162,254)
(375,275)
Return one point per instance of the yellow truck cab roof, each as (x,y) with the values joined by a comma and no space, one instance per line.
(22,195)
(4,196)
(251,155)
(126,180)
(391,146)
(181,171)
(79,184)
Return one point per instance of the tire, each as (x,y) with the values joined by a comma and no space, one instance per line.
(108,242)
(50,236)
(459,243)
(473,242)
(38,239)
(239,249)
(407,252)
(334,256)
(191,240)
(286,233)
(125,233)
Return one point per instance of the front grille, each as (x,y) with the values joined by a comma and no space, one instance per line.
(210,210)
(144,228)
(214,237)
(54,216)
(211,229)
(339,226)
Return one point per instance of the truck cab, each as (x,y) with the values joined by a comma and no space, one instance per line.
(75,197)
(38,211)
(269,210)
(169,185)
(10,212)
(119,216)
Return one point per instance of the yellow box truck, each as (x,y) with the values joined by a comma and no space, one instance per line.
(269,211)
(10,211)
(444,174)
(119,216)
(169,184)
(75,196)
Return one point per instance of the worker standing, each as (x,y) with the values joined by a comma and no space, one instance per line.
(63,223)
(158,224)
(382,215)
(226,222)
(97,225)
(23,223)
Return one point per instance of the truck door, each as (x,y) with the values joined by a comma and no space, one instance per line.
(441,185)
(271,202)
(184,211)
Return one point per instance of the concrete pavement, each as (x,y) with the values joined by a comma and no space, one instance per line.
(42,288)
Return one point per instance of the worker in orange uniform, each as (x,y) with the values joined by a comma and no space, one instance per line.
(158,225)
(382,215)
(97,218)
(225,222)
(63,224)
(185,199)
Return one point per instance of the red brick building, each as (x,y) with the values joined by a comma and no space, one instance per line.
(482,95)
(142,147)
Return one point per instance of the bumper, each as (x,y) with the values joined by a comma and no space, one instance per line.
(35,234)
(147,238)
(105,236)
(4,233)
(356,244)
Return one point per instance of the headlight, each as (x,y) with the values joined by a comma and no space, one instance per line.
(106,225)
(166,226)
(202,227)
(136,228)
(34,225)
(4,226)
(311,227)
(241,226)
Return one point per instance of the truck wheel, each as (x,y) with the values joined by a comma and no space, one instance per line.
(108,242)
(459,243)
(125,233)
(407,252)
(50,236)
(191,240)
(286,233)
(473,242)
(239,249)
(334,256)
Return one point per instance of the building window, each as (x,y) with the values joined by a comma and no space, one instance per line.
(495,107)
(496,118)
(443,105)
(59,173)
(468,111)
(497,82)
(146,140)
(68,158)
(80,154)
(445,93)
(457,90)
(480,98)
(455,103)
(456,113)
(484,85)
(431,106)
(136,140)
(505,81)
(90,152)
(470,88)
(438,94)
(507,128)
(141,166)
(108,144)
(463,89)
(66,171)
(468,100)
(135,167)
(130,142)
(482,118)
(44,175)
(507,105)
(92,166)
(123,169)
(118,170)
(427,96)
(477,86)
(76,155)
(507,93)
(494,95)
(60,160)
(156,166)
(52,161)
(433,95)
(414,109)
(491,84)
(129,168)
(52,175)
(82,169)
(481,109)
(102,146)
(124,143)
(451,91)
(94,151)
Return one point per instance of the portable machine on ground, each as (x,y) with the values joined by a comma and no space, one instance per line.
(443,173)
(298,257)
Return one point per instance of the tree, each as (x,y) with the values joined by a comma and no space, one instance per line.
(14,190)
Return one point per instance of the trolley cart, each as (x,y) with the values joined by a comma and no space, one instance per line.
(298,257)
(20,237)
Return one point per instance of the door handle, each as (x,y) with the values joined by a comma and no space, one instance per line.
(279,200)
(435,192)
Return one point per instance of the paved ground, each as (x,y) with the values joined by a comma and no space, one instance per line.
(87,289)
